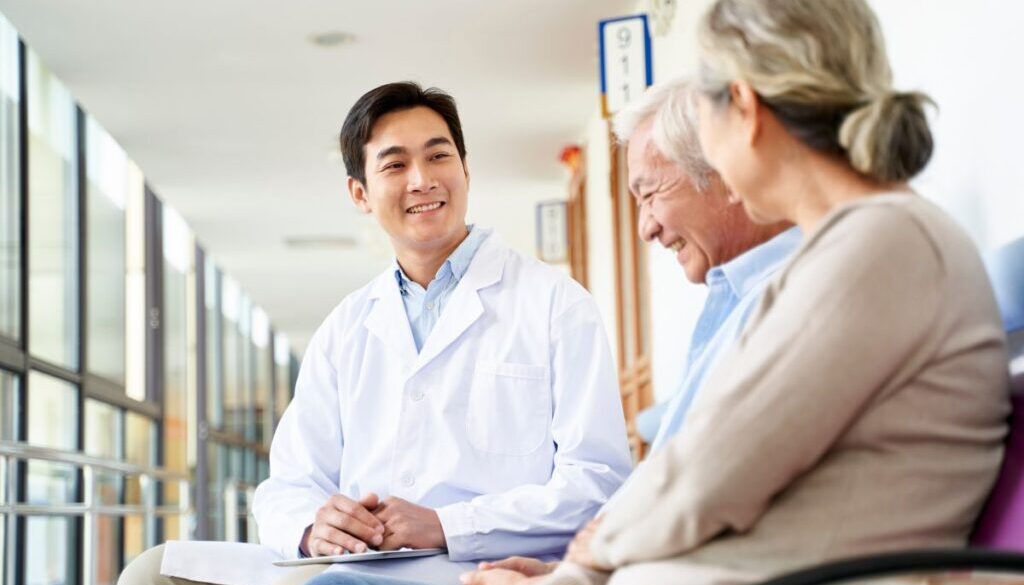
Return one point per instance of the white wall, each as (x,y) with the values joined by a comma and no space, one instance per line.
(964,55)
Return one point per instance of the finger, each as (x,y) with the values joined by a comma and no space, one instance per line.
(339,541)
(370,501)
(356,510)
(352,525)
(393,541)
(512,563)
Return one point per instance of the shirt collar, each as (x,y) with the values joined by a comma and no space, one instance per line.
(459,260)
(750,268)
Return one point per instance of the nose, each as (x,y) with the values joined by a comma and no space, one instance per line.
(420,178)
(647,227)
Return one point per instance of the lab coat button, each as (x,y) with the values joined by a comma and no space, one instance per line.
(408,480)
(417,396)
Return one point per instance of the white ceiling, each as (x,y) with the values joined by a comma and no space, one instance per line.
(232,114)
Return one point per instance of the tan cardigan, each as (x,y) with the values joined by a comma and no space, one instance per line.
(862,410)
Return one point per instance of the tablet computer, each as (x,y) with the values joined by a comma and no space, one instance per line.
(372,555)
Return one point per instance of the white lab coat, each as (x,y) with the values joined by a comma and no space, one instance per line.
(508,422)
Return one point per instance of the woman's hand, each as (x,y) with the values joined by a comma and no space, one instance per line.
(579,549)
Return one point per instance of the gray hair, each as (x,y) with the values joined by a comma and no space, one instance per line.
(821,67)
(674,132)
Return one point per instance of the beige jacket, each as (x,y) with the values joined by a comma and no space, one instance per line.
(862,410)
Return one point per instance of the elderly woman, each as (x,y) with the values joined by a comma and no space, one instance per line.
(863,408)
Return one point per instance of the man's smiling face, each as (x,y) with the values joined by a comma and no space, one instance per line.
(672,211)
(416,183)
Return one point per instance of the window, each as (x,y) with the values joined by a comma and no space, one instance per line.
(282,375)
(103,431)
(178,265)
(8,407)
(263,361)
(139,448)
(10,184)
(53,218)
(110,178)
(52,422)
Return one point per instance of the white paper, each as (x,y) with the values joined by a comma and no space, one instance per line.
(232,563)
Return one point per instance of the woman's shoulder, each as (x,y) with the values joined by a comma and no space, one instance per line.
(890,224)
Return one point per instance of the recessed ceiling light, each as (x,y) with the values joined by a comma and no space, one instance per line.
(334,38)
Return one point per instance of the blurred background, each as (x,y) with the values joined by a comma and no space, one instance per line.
(174,223)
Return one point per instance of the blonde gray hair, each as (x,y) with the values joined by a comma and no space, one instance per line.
(821,67)
(674,132)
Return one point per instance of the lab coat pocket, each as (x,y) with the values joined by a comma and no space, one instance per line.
(509,409)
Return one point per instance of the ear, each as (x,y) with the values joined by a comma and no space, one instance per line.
(747,104)
(357,191)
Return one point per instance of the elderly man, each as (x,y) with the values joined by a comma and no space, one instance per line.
(687,209)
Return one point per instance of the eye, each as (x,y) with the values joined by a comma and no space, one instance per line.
(440,155)
(393,166)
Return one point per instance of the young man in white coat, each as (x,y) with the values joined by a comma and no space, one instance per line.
(464,399)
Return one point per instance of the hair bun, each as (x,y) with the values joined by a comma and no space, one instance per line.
(888,138)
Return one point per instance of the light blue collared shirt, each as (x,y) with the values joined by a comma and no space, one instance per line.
(423,306)
(734,288)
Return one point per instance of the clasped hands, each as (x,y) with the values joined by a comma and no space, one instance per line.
(343,524)
(525,571)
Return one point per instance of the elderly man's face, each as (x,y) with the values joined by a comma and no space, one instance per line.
(692,224)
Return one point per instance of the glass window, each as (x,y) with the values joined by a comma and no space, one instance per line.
(53,562)
(103,428)
(136,321)
(139,448)
(214,347)
(52,422)
(263,378)
(282,375)
(178,264)
(8,407)
(217,464)
(10,184)
(53,218)
(109,174)
(234,404)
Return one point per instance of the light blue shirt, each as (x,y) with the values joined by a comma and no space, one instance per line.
(734,288)
(423,306)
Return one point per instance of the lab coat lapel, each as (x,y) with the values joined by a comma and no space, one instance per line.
(387,319)
(464,306)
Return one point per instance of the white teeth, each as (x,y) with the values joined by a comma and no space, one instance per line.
(425,207)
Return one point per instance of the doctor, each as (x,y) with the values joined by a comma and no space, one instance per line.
(465,398)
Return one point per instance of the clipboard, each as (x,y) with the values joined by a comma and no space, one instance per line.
(373,555)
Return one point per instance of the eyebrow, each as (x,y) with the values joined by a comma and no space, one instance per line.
(402,150)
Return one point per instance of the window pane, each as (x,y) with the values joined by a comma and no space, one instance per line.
(262,380)
(282,375)
(10,174)
(217,463)
(50,558)
(140,440)
(109,174)
(108,535)
(53,214)
(134,538)
(102,439)
(178,264)
(136,319)
(8,406)
(214,346)
(52,422)
(234,406)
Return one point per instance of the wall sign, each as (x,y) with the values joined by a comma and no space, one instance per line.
(552,232)
(625,46)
